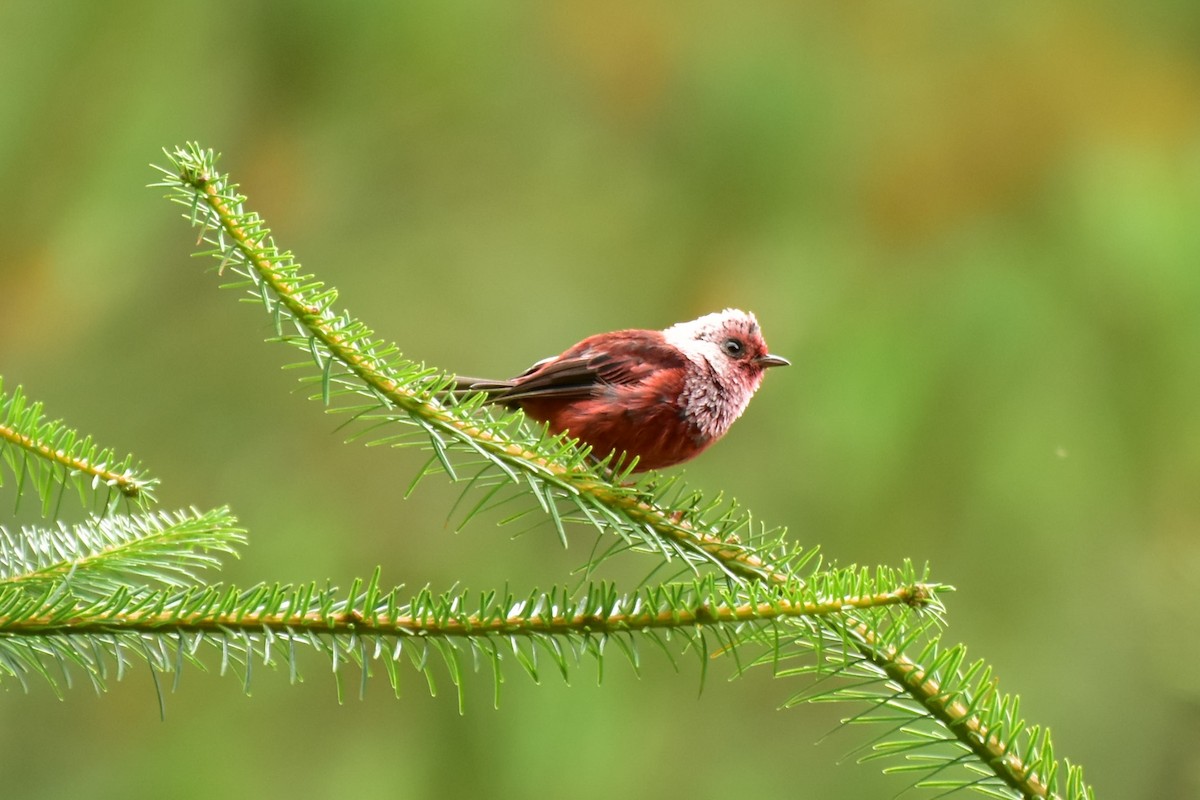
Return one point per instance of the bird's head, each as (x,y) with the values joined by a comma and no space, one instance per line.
(728,357)
(730,342)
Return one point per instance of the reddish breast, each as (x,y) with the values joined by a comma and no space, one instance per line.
(632,418)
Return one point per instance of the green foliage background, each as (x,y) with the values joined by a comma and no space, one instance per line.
(972,229)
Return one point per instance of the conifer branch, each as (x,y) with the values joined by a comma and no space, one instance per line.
(990,740)
(284,610)
(243,241)
(53,456)
(101,556)
(871,645)
(43,626)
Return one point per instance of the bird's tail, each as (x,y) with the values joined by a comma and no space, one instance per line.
(467,385)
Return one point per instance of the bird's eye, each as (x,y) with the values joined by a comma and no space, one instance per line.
(733,348)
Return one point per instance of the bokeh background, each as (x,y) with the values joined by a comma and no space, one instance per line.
(973,228)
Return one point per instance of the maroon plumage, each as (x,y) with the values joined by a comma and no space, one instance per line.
(664,396)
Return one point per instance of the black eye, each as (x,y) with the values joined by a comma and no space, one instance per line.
(733,348)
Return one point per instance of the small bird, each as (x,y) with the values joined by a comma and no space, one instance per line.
(663,396)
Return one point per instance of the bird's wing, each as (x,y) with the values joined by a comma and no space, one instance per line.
(623,358)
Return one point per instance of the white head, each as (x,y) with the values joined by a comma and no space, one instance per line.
(729,356)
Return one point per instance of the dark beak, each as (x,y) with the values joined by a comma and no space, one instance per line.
(772,361)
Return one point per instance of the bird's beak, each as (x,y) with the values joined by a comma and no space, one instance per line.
(772,361)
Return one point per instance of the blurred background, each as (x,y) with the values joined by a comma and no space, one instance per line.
(973,230)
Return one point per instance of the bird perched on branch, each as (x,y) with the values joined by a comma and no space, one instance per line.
(663,396)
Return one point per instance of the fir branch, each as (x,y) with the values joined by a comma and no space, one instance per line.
(53,456)
(351,361)
(869,646)
(975,715)
(280,609)
(49,633)
(96,558)
(934,703)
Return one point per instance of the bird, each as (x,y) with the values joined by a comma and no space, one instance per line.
(662,396)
